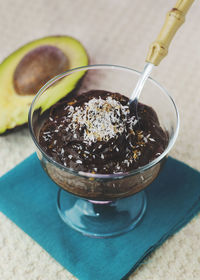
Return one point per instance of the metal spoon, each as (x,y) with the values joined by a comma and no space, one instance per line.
(159,49)
(133,102)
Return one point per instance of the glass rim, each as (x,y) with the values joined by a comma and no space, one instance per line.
(99,175)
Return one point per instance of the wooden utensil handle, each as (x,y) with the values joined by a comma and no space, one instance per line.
(175,18)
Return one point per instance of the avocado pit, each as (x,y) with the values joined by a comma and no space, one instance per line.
(37,67)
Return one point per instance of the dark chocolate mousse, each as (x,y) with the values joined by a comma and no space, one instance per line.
(95,132)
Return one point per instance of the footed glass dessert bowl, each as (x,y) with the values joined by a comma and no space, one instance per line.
(92,146)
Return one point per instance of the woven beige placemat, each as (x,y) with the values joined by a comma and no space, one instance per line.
(117,32)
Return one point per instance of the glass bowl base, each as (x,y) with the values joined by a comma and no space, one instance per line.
(101,219)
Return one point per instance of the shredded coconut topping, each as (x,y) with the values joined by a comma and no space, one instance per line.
(101,119)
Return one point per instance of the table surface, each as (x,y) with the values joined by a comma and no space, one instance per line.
(116,32)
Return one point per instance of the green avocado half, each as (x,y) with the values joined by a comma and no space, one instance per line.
(26,70)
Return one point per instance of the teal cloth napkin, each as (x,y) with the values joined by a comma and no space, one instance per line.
(28,198)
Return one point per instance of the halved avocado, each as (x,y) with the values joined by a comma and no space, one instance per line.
(26,70)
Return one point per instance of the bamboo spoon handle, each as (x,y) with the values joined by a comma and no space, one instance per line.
(175,18)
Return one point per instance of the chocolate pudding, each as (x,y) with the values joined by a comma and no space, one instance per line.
(96,132)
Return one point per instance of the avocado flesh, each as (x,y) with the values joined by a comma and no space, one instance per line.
(13,106)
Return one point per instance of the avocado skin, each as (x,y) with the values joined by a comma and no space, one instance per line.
(84,61)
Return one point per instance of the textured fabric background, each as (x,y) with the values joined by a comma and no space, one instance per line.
(117,32)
